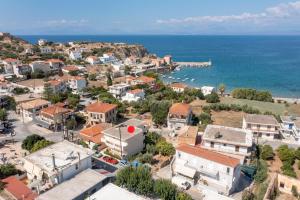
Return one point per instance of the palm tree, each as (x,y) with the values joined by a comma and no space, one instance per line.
(222,88)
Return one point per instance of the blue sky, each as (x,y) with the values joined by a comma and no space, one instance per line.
(150,16)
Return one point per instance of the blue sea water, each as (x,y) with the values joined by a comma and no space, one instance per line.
(262,62)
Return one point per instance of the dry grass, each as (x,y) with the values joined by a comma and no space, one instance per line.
(294,109)
(228,118)
(197,106)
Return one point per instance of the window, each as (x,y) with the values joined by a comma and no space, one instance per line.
(212,144)
(237,148)
(228,170)
(76,166)
(224,145)
(281,185)
(258,126)
(269,127)
(248,125)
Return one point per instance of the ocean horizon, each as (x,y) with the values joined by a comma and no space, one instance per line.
(262,62)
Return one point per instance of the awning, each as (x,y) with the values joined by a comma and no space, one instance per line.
(184,170)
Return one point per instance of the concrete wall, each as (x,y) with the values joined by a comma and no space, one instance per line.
(228,148)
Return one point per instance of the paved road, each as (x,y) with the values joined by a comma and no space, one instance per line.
(24,129)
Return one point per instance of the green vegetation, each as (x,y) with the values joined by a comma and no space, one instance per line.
(287,156)
(139,180)
(109,81)
(19,90)
(40,145)
(212,98)
(48,91)
(7,170)
(157,144)
(71,124)
(261,171)
(30,140)
(222,89)
(3,114)
(295,191)
(92,77)
(252,94)
(205,118)
(266,152)
(159,111)
(248,195)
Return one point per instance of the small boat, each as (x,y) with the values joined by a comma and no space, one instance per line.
(177,69)
(170,77)
(178,78)
(192,79)
(185,75)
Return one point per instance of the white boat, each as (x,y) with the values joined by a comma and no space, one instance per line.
(178,78)
(177,69)
(192,79)
(170,77)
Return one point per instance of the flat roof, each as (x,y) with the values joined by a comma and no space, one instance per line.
(133,122)
(65,152)
(111,191)
(125,135)
(74,187)
(261,119)
(228,135)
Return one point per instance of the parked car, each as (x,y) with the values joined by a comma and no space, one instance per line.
(181,182)
(124,162)
(110,160)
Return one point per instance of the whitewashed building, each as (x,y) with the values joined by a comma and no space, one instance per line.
(118,90)
(56,163)
(180,115)
(93,60)
(265,126)
(134,95)
(45,50)
(108,58)
(217,171)
(76,84)
(228,140)
(75,55)
(206,90)
(42,42)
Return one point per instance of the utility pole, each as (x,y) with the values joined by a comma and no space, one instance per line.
(120,142)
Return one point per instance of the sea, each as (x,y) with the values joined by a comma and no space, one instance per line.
(262,62)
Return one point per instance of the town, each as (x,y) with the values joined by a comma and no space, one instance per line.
(94,120)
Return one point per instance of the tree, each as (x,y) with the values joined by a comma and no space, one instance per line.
(261,172)
(3,114)
(222,88)
(164,189)
(159,111)
(30,140)
(266,152)
(212,98)
(92,77)
(48,91)
(71,124)
(248,195)
(146,158)
(152,138)
(73,73)
(40,145)
(295,191)
(205,118)
(165,148)
(109,81)
(73,100)
(2,185)
(183,196)
(7,170)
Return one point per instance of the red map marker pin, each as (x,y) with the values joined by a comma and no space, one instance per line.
(130,129)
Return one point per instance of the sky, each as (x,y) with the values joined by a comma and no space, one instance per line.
(119,17)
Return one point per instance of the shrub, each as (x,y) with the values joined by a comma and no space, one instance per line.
(252,94)
(30,140)
(212,98)
(165,148)
(205,118)
(7,170)
(261,173)
(267,152)
(164,189)
(146,158)
(40,145)
(295,191)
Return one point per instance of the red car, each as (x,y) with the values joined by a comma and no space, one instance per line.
(110,160)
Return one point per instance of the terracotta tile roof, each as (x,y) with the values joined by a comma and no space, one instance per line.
(92,57)
(70,68)
(76,78)
(209,155)
(54,110)
(10,60)
(100,107)
(54,82)
(181,109)
(146,79)
(136,91)
(94,133)
(34,104)
(55,61)
(178,85)
(18,189)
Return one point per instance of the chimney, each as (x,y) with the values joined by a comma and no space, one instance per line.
(53,161)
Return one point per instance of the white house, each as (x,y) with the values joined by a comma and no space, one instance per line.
(40,65)
(9,64)
(75,55)
(134,95)
(108,58)
(45,50)
(265,126)
(296,129)
(42,42)
(206,90)
(21,70)
(76,83)
(118,90)
(93,60)
(227,140)
(122,143)
(56,163)
(178,87)
(287,125)
(214,170)
(180,115)
(28,110)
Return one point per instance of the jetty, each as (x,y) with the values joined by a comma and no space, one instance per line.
(194,64)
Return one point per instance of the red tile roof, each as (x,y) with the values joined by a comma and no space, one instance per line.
(209,155)
(18,189)
(99,107)
(146,79)
(180,109)
(136,91)
(10,60)
(54,82)
(70,68)
(178,85)
(55,61)
(54,110)
(93,133)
